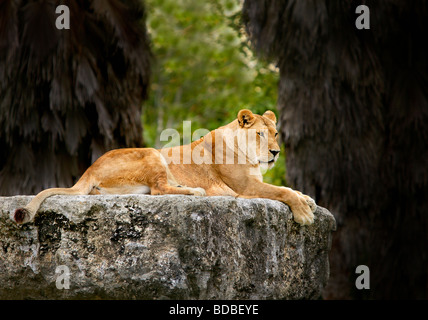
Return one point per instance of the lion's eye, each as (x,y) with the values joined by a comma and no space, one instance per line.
(276,134)
(261,134)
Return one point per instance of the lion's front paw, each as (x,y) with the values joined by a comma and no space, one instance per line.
(311,202)
(199,192)
(303,210)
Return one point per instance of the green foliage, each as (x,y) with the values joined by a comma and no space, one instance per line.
(204,70)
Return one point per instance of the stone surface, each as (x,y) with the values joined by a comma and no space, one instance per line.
(162,247)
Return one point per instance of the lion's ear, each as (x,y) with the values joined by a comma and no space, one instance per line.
(270,115)
(246,118)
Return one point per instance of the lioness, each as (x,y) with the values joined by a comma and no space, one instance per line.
(232,157)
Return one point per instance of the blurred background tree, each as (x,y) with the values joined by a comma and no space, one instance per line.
(68,96)
(204,70)
(353,106)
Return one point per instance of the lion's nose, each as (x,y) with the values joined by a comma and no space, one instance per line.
(274,152)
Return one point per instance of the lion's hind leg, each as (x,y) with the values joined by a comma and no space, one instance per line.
(164,187)
(167,184)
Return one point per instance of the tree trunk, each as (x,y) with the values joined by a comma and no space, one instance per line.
(353,106)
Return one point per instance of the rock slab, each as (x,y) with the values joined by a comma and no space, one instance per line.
(162,247)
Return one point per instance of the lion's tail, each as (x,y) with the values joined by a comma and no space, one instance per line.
(27,213)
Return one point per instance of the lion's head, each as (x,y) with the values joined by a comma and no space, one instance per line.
(262,137)
(249,139)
